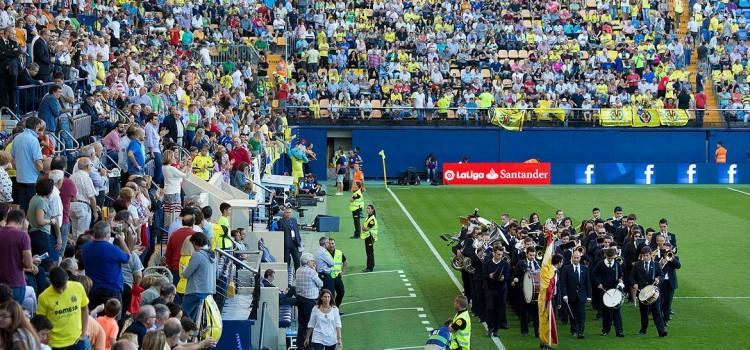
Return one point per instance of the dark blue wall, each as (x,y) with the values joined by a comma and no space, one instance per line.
(408,146)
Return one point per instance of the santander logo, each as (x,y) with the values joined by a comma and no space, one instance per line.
(496,173)
(492,175)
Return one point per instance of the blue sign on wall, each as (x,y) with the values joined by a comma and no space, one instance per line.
(650,173)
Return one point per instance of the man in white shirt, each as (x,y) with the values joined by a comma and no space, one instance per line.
(83,208)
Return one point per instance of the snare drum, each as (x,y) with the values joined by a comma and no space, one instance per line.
(648,295)
(613,298)
(531,286)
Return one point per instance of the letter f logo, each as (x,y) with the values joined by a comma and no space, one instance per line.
(589,173)
(649,172)
(731,172)
(691,173)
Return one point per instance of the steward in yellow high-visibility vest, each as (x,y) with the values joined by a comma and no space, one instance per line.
(461,325)
(339,263)
(370,235)
(356,203)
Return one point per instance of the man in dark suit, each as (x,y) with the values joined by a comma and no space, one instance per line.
(497,272)
(607,274)
(664,231)
(42,55)
(9,67)
(575,288)
(528,310)
(647,272)
(669,268)
(170,123)
(292,239)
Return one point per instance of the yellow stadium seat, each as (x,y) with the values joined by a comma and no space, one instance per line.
(512,54)
(502,54)
(486,73)
(324,112)
(377,113)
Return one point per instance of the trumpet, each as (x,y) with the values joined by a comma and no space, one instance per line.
(619,260)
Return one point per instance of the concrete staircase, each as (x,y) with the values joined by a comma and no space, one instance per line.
(712,116)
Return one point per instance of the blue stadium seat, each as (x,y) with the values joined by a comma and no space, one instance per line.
(742,34)
(744,4)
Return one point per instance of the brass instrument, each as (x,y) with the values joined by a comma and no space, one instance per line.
(462,263)
(539,253)
(619,260)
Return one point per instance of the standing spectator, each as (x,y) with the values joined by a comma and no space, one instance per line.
(27,153)
(431,166)
(324,332)
(112,140)
(41,55)
(6,185)
(292,239)
(50,108)
(137,154)
(200,274)
(103,261)
(68,193)
(153,146)
(15,254)
(307,285)
(173,178)
(65,304)
(108,322)
(17,331)
(700,107)
(83,209)
(9,67)
(40,222)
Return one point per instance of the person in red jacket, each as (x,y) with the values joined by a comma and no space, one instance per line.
(239,154)
(174,244)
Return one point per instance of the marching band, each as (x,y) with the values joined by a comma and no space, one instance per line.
(606,263)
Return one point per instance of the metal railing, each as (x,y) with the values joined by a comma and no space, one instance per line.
(235,53)
(534,116)
(29,96)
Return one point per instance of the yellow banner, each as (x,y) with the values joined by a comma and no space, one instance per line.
(616,117)
(543,112)
(508,118)
(645,117)
(673,117)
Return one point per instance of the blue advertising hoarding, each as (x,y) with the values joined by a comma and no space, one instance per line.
(650,173)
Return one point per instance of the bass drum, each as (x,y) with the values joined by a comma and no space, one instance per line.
(613,298)
(531,286)
(648,295)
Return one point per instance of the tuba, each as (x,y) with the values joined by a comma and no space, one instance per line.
(462,263)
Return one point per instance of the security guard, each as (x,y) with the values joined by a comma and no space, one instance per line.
(461,325)
(355,206)
(370,235)
(339,265)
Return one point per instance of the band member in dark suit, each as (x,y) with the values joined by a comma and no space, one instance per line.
(647,272)
(607,274)
(528,310)
(477,278)
(575,289)
(292,239)
(613,224)
(669,263)
(628,224)
(497,272)
(664,231)
(465,248)
(42,55)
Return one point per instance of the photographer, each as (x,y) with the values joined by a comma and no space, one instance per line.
(103,261)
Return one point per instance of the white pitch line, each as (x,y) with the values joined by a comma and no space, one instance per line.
(369,273)
(380,310)
(378,299)
(736,190)
(440,259)
(711,297)
(408,347)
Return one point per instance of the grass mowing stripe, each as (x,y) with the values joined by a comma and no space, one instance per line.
(736,190)
(453,277)
(378,299)
(383,310)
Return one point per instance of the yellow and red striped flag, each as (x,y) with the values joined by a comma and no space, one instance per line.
(547,286)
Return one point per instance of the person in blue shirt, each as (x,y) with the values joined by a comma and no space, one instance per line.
(50,108)
(103,261)
(27,154)
(137,153)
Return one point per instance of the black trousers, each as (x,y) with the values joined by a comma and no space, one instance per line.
(529,310)
(577,315)
(22,194)
(667,294)
(496,317)
(357,225)
(466,279)
(478,305)
(304,307)
(327,281)
(370,251)
(294,252)
(655,310)
(8,91)
(338,284)
(100,296)
(610,315)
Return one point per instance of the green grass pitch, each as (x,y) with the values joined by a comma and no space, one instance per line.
(410,291)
